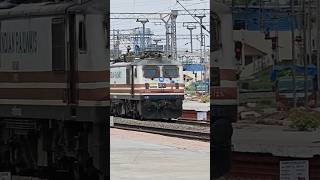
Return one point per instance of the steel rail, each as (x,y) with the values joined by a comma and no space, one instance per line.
(192,122)
(201,136)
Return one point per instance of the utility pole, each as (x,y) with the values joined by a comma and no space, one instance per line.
(118,44)
(205,58)
(173,17)
(293,53)
(143,21)
(277,58)
(171,37)
(191,27)
(201,44)
(167,26)
(204,48)
(318,50)
(201,33)
(114,43)
(309,31)
(156,41)
(304,20)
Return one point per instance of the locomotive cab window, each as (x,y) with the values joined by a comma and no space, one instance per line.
(58,44)
(151,72)
(82,36)
(170,71)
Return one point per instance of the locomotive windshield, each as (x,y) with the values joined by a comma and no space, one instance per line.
(151,71)
(170,71)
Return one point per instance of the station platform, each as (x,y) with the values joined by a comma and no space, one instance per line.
(193,110)
(143,156)
(267,152)
(194,105)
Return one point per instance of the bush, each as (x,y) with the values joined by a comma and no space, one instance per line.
(205,99)
(192,93)
(303,120)
(190,88)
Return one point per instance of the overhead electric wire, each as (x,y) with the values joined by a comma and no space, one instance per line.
(194,17)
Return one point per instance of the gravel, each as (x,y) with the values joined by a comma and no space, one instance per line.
(161,124)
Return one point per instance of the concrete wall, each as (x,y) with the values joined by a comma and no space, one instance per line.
(256,40)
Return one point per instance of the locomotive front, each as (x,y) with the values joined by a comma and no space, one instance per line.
(153,88)
(163,89)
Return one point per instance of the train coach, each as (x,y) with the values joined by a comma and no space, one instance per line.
(223,64)
(223,87)
(150,87)
(53,82)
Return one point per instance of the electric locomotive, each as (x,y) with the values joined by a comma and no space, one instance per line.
(146,87)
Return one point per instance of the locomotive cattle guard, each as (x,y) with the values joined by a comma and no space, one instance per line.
(150,87)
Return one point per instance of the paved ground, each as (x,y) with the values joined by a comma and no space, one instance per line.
(142,156)
(277,140)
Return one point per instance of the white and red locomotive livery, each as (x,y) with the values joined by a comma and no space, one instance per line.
(224,88)
(223,64)
(53,81)
(148,88)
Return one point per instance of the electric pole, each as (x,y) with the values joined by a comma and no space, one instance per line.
(143,21)
(173,17)
(114,43)
(304,23)
(191,28)
(167,26)
(293,54)
(201,34)
(201,44)
(318,50)
(157,41)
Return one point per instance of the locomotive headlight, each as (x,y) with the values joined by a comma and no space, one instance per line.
(176,85)
(147,85)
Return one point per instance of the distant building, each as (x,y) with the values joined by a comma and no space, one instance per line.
(194,71)
(257,51)
(253,19)
(254,61)
(250,25)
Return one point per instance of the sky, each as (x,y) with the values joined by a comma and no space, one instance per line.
(161,6)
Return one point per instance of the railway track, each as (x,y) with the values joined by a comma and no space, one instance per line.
(193,122)
(181,121)
(256,96)
(186,134)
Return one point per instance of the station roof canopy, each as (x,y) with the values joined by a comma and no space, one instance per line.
(193,67)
